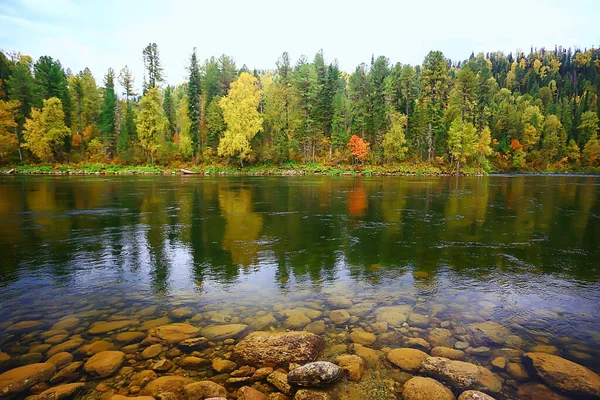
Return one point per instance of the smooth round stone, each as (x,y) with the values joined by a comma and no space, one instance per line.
(101,327)
(407,359)
(125,338)
(151,351)
(419,388)
(461,345)
(104,364)
(68,323)
(361,337)
(20,379)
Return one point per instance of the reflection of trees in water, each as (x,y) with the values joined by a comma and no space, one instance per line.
(310,228)
(242,226)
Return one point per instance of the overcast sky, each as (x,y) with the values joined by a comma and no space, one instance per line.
(112,33)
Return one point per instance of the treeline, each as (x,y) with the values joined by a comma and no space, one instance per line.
(492,111)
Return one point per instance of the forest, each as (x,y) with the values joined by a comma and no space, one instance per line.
(535,112)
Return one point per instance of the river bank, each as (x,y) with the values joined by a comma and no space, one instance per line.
(290,169)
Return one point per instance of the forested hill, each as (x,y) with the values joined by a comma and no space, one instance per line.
(493,112)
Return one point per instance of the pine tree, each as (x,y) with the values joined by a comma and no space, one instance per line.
(154,72)
(127,82)
(169,108)
(194,88)
(107,116)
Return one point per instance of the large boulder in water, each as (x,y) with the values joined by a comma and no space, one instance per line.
(315,374)
(263,349)
(419,388)
(564,375)
(20,379)
(462,375)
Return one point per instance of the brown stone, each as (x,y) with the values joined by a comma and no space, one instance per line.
(248,393)
(223,366)
(204,389)
(101,327)
(407,359)
(279,349)
(151,351)
(173,384)
(448,352)
(61,359)
(538,391)
(67,346)
(221,332)
(20,379)
(95,347)
(104,364)
(419,388)
(354,366)
(564,375)
(61,392)
(172,333)
(68,373)
(462,375)
(280,381)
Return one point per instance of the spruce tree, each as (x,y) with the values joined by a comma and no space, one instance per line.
(194,102)
(107,117)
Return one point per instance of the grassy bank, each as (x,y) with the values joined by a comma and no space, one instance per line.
(266,169)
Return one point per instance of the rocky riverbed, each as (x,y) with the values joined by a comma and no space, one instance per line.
(326,346)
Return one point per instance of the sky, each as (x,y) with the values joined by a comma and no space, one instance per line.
(99,34)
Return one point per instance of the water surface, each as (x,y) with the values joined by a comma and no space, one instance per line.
(523,251)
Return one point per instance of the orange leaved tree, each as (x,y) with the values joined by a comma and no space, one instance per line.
(358,148)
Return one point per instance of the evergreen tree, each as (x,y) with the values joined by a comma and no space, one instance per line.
(434,81)
(194,88)
(107,116)
(169,108)
(154,72)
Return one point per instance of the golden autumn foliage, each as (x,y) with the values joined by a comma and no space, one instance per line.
(8,138)
(45,131)
(240,113)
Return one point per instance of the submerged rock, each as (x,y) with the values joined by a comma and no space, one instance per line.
(101,327)
(204,390)
(24,326)
(537,391)
(307,394)
(66,391)
(194,344)
(221,332)
(280,381)
(354,366)
(172,333)
(249,393)
(462,375)
(173,384)
(419,388)
(315,374)
(475,395)
(394,315)
(361,337)
(489,332)
(564,375)
(407,359)
(263,349)
(20,379)
(448,352)
(104,364)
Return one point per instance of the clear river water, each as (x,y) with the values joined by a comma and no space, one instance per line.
(495,266)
